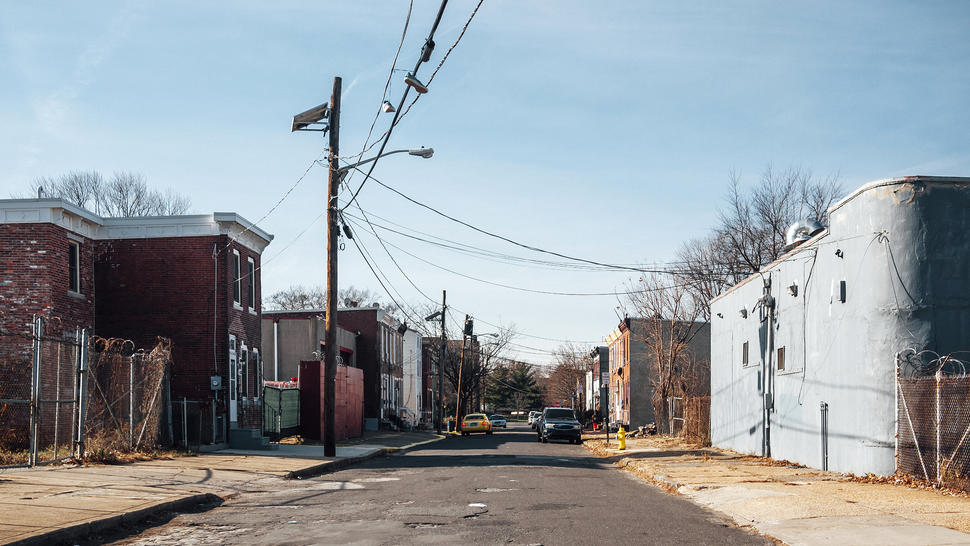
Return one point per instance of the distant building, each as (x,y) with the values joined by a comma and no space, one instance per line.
(633,370)
(368,338)
(380,348)
(412,388)
(292,336)
(194,279)
(596,394)
(814,335)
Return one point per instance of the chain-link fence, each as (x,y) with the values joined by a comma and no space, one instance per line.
(126,395)
(38,394)
(933,417)
(697,419)
(63,395)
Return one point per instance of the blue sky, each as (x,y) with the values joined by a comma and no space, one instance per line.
(605,130)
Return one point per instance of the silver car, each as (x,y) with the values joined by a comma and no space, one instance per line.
(497,420)
(533,415)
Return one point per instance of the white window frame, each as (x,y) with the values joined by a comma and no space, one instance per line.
(236,280)
(258,383)
(75,276)
(251,283)
(244,369)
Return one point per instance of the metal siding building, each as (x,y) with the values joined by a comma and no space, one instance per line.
(891,272)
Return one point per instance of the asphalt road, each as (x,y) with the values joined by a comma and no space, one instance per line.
(500,489)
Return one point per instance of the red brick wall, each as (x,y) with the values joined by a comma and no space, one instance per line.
(34,279)
(368,359)
(165,287)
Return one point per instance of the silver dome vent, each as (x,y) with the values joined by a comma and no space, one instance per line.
(801,231)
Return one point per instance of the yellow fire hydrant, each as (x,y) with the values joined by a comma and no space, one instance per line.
(621,437)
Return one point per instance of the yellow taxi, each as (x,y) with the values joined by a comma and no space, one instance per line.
(475,422)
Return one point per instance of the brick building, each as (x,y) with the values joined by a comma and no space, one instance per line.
(380,354)
(193,278)
(632,370)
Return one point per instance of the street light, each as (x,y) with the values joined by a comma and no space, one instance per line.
(309,121)
(422,152)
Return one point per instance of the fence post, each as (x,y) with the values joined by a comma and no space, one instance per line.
(824,416)
(82,393)
(939,479)
(74,395)
(35,391)
(185,422)
(131,402)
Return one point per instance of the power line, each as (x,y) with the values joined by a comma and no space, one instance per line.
(387,85)
(278,203)
(471,250)
(425,55)
(440,63)
(514,242)
(518,288)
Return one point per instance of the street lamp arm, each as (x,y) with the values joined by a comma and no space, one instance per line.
(420,152)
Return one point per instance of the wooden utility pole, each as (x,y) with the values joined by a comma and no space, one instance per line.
(441,361)
(467,331)
(330,338)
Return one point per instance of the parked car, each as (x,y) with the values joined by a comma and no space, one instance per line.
(533,416)
(559,423)
(497,420)
(475,422)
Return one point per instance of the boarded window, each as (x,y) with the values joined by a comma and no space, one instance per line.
(781,358)
(744,354)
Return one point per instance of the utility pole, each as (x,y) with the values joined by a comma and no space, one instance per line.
(330,338)
(461,364)
(441,361)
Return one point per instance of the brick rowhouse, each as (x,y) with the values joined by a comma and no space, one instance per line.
(194,279)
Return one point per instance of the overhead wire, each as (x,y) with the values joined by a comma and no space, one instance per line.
(437,68)
(387,85)
(499,257)
(425,55)
(511,287)
(514,242)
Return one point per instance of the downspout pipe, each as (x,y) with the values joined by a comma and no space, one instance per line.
(768,303)
(276,349)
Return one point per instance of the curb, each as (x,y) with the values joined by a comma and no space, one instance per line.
(68,534)
(184,504)
(331,466)
(438,437)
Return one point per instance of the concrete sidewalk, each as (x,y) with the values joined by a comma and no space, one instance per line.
(55,504)
(796,505)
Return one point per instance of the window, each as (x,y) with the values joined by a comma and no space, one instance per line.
(74,266)
(244,370)
(236,281)
(781,359)
(744,354)
(251,282)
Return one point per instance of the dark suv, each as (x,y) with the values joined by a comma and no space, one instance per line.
(559,423)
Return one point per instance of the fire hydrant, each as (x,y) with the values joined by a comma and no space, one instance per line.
(621,437)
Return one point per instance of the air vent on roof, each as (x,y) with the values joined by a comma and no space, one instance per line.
(801,231)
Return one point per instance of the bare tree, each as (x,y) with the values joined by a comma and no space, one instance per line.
(572,362)
(670,318)
(481,354)
(296,298)
(299,297)
(124,195)
(751,230)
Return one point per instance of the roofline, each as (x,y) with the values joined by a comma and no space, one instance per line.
(898,180)
(114,221)
(855,193)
